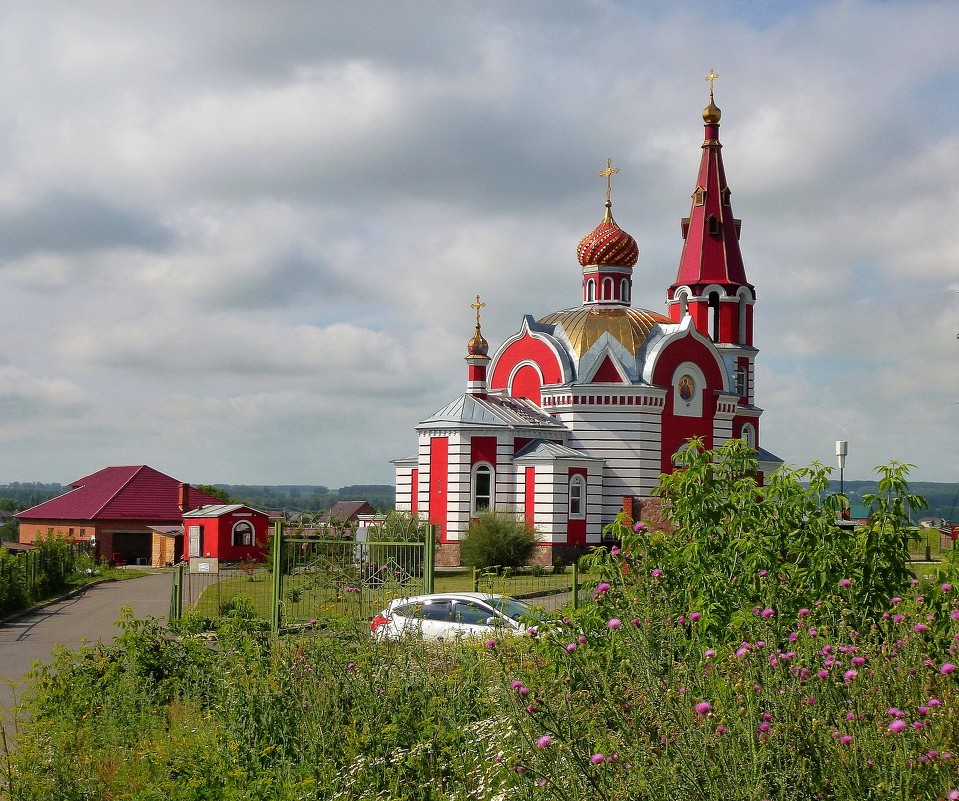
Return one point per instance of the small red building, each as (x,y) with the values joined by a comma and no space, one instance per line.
(229,532)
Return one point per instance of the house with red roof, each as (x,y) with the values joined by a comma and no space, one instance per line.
(128,513)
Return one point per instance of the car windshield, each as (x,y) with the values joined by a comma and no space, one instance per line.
(512,609)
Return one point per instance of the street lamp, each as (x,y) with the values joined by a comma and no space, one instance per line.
(842,448)
(93,547)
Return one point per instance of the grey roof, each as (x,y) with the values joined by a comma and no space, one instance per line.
(541,449)
(763,455)
(492,411)
(217,510)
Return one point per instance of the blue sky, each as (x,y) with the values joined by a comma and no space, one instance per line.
(239,241)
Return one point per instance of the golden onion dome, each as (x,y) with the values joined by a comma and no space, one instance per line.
(607,244)
(584,325)
(477,346)
(711,113)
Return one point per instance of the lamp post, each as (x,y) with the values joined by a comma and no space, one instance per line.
(842,448)
(93,547)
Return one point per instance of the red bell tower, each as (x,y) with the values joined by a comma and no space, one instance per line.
(711,285)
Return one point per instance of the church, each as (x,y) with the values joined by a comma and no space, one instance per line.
(574,417)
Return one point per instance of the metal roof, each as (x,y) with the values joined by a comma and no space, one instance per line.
(493,411)
(218,510)
(134,492)
(545,450)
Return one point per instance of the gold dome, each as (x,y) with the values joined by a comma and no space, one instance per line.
(583,326)
(711,113)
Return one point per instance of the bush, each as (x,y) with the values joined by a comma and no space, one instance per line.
(495,539)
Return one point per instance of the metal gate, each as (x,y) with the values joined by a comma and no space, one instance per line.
(309,579)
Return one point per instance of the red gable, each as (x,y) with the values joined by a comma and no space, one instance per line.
(135,492)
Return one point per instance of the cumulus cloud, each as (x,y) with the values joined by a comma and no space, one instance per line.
(240,242)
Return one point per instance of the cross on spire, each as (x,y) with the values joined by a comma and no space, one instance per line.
(713,75)
(478,305)
(608,173)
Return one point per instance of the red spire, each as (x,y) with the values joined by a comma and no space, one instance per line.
(711,252)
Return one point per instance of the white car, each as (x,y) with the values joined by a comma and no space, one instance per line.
(449,615)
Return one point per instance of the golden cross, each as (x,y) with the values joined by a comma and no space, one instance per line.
(713,75)
(608,173)
(478,305)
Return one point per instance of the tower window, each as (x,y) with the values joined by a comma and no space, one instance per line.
(607,289)
(714,225)
(482,488)
(699,196)
(748,435)
(742,381)
(624,290)
(590,291)
(714,316)
(724,194)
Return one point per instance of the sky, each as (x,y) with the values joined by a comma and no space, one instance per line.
(239,241)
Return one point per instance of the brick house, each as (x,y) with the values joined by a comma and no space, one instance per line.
(131,513)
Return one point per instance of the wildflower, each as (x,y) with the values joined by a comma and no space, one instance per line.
(803,612)
(845,739)
(763,573)
(601,588)
(709,653)
(615,550)
(544,741)
(919,628)
(720,730)
(898,618)
(703,707)
(490,643)
(895,712)
(844,583)
(596,759)
(767,612)
(523,690)
(614,623)
(581,639)
(895,600)
(947,668)
(350,665)
(571,647)
(858,661)
(516,684)
(694,616)
(946,588)
(636,622)
(897,726)
(850,716)
(849,675)
(656,572)
(639,527)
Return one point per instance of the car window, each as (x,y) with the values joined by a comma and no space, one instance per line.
(437,610)
(513,609)
(472,613)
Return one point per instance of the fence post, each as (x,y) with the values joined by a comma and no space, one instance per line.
(277,577)
(429,560)
(475,579)
(575,584)
(176,600)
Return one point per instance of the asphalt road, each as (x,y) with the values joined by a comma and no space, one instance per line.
(90,616)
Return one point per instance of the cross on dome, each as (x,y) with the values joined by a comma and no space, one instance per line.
(713,75)
(608,173)
(478,305)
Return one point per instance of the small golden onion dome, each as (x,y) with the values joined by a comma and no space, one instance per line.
(477,345)
(711,113)
(607,244)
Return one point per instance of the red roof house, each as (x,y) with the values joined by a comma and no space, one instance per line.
(118,508)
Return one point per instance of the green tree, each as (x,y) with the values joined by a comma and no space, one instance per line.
(497,539)
(216,492)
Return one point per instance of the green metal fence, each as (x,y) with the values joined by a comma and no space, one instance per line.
(30,576)
(309,579)
(531,584)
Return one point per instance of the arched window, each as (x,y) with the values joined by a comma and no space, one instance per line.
(590,291)
(577,497)
(742,318)
(482,489)
(748,435)
(683,304)
(742,381)
(243,533)
(624,290)
(607,289)
(714,316)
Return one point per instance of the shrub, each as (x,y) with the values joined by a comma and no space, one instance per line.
(496,539)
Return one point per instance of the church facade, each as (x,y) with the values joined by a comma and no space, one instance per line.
(575,416)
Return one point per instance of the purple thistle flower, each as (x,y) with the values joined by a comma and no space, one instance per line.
(596,759)
(947,668)
(897,726)
(614,623)
(710,653)
(656,572)
(946,588)
(601,588)
(571,647)
(919,628)
(703,707)
(490,643)
(849,675)
(516,684)
(845,739)
(544,741)
(954,614)
(803,612)
(767,612)
(844,583)
(694,616)
(639,527)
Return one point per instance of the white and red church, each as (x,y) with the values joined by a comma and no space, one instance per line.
(576,415)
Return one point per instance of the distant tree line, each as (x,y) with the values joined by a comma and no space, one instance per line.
(943,498)
(304,497)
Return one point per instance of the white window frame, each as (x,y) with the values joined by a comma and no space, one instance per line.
(252,533)
(478,468)
(577,489)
